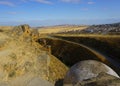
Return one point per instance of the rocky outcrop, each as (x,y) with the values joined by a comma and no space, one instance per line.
(39,82)
(21,30)
(103,79)
(85,70)
(34,34)
(21,60)
(27,81)
(24,32)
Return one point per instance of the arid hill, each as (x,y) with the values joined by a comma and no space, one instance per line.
(97,29)
(60,29)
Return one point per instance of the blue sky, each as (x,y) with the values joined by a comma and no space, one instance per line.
(57,12)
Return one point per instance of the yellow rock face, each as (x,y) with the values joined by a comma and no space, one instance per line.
(18,58)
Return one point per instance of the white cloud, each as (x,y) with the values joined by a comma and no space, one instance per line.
(43,1)
(50,2)
(91,2)
(70,1)
(7,3)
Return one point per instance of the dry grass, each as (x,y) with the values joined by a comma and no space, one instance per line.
(56,29)
(87,35)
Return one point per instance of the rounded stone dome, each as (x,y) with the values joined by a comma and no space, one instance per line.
(87,69)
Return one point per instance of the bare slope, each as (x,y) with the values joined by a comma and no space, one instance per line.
(59,29)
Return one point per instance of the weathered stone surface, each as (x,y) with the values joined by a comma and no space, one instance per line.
(86,70)
(39,82)
(4,84)
(25,33)
(20,57)
(29,80)
(103,79)
(21,30)
(34,34)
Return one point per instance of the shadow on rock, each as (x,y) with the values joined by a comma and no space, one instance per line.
(59,82)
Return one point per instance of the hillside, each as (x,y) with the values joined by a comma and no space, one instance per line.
(98,29)
(60,29)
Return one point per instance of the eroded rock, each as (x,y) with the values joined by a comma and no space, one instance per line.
(21,30)
(103,79)
(20,57)
(86,70)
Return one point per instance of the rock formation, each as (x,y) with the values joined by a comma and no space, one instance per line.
(103,79)
(86,70)
(21,60)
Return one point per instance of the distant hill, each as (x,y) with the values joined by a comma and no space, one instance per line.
(60,29)
(102,29)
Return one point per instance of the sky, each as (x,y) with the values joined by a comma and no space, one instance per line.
(58,12)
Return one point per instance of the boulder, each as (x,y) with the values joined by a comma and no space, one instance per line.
(39,82)
(103,79)
(86,70)
(21,30)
